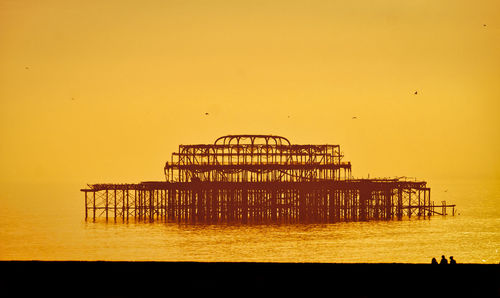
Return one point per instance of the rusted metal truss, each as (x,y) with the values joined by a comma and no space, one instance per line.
(256,158)
(261,179)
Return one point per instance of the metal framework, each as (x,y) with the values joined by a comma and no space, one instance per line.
(261,179)
(262,158)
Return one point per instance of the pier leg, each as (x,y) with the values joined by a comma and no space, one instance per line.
(387,203)
(170,210)
(354,205)
(199,207)
(399,210)
(93,207)
(194,195)
(331,206)
(151,205)
(106,206)
(86,207)
(115,206)
(364,196)
(230,207)
(215,205)
(429,200)
(302,206)
(244,203)
(123,205)
(409,203)
(128,206)
(419,206)
(376,211)
(273,206)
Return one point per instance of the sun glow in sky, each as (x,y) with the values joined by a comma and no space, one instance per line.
(105,91)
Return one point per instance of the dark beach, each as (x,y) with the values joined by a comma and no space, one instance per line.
(128,279)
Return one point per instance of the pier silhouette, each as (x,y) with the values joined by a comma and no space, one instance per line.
(261,179)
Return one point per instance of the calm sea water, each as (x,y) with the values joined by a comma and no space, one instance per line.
(46,222)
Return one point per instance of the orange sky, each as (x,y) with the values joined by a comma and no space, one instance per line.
(104,91)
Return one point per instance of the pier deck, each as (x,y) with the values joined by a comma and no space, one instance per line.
(257,202)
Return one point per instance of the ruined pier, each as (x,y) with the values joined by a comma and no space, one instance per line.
(261,179)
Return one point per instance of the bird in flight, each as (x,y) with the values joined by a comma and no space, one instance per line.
(416,92)
(206,114)
(354,117)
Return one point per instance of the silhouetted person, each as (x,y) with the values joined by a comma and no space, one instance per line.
(452,260)
(434,261)
(444,261)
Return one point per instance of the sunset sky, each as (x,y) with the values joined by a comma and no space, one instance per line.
(105,91)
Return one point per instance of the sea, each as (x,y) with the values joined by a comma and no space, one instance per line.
(47,222)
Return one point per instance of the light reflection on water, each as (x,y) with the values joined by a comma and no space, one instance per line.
(61,234)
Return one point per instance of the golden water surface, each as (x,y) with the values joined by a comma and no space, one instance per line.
(104,91)
(58,231)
